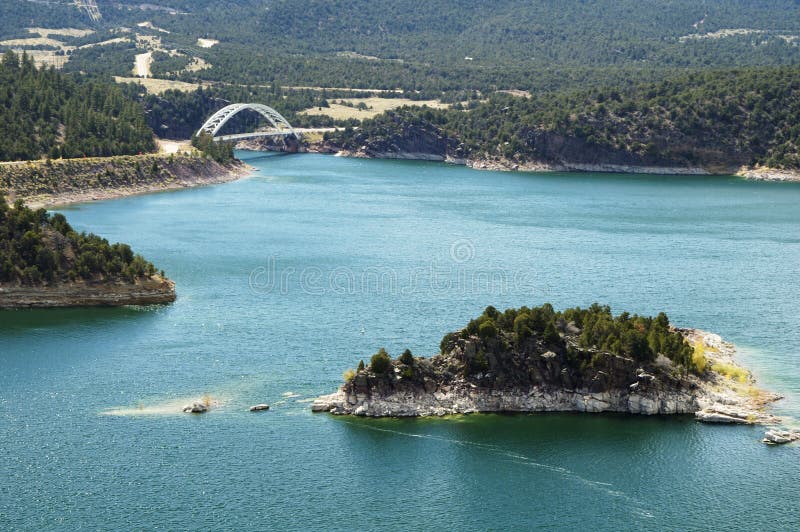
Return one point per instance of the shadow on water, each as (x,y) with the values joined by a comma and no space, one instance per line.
(14,322)
(538,443)
(560,425)
(561,430)
(259,156)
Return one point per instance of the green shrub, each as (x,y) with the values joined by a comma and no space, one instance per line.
(449,337)
(550,334)
(380,361)
(487,329)
(407,358)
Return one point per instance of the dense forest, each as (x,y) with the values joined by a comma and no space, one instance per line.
(687,83)
(714,118)
(582,332)
(48,114)
(432,46)
(38,248)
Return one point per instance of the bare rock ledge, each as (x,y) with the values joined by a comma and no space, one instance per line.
(88,294)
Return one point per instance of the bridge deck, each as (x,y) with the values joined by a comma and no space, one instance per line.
(273,133)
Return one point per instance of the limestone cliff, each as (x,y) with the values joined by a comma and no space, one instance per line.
(155,290)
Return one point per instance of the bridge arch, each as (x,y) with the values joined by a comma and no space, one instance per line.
(215,123)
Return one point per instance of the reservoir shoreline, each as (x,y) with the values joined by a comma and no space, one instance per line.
(507,165)
(67,181)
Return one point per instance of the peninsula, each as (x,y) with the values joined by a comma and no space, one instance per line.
(44,262)
(62,181)
(578,360)
(698,124)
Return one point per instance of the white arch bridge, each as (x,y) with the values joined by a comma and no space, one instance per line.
(280,127)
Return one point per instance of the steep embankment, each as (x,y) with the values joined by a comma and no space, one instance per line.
(104,293)
(533,360)
(42,183)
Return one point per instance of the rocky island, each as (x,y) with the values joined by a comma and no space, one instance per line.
(541,360)
(44,262)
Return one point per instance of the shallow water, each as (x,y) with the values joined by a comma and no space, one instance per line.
(289,277)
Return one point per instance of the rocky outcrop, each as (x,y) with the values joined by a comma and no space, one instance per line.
(778,437)
(481,375)
(768,174)
(151,291)
(259,408)
(195,407)
(466,399)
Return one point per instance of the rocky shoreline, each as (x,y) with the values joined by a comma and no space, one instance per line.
(155,290)
(508,165)
(713,397)
(60,182)
(769,174)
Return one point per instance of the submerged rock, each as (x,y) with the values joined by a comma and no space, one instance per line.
(718,417)
(195,408)
(775,437)
(259,407)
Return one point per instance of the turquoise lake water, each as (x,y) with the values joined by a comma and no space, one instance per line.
(287,278)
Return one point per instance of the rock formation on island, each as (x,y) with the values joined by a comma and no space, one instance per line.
(579,360)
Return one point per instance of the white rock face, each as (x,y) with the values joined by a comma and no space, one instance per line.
(780,436)
(463,400)
(717,417)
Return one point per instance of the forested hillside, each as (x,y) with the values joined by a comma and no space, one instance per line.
(712,119)
(457,44)
(446,45)
(48,114)
(39,248)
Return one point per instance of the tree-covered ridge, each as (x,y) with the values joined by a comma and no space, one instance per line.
(717,118)
(447,45)
(539,346)
(38,248)
(582,333)
(49,114)
(538,32)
